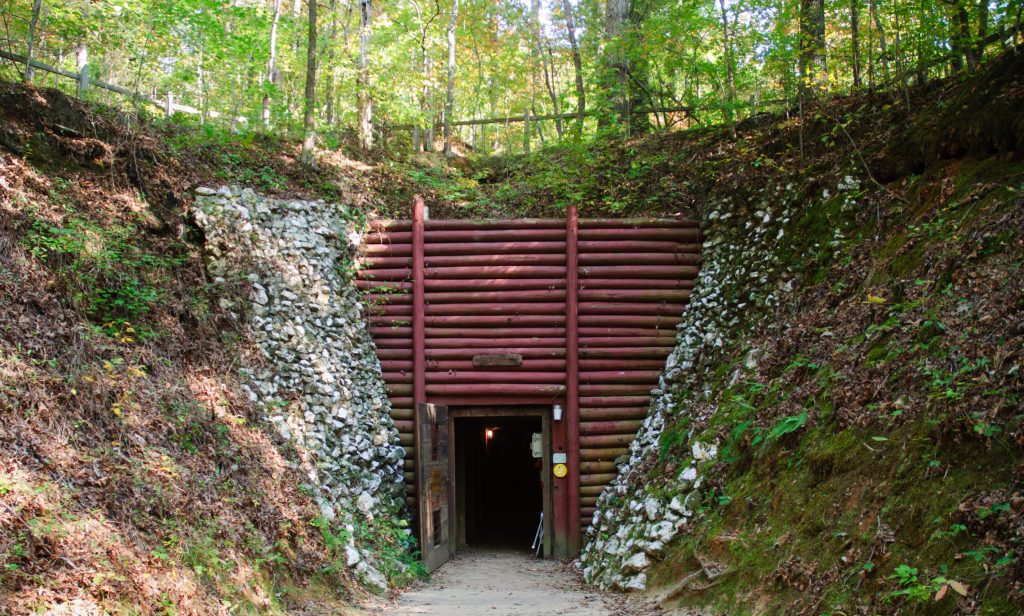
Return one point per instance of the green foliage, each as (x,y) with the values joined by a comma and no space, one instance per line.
(109,275)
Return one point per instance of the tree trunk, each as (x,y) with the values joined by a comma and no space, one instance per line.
(730,73)
(979,50)
(30,70)
(855,40)
(364,101)
(615,78)
(577,65)
(813,66)
(332,42)
(449,105)
(309,117)
(549,81)
(271,63)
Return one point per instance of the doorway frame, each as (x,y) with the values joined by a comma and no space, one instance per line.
(457,522)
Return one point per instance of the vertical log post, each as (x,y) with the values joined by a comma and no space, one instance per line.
(572,381)
(83,81)
(419,333)
(169,105)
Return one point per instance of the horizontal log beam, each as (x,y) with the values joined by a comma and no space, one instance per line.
(635,223)
(621,376)
(625,354)
(505,320)
(612,364)
(539,308)
(631,320)
(634,271)
(597,479)
(504,389)
(531,365)
(616,389)
(665,342)
(637,283)
(634,295)
(684,234)
(498,297)
(482,345)
(494,235)
(640,259)
(610,427)
(492,259)
(614,401)
(494,284)
(636,246)
(493,248)
(606,440)
(497,332)
(488,272)
(612,413)
(606,454)
(631,308)
(467,376)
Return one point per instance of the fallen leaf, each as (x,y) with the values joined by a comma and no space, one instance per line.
(959,587)
(942,593)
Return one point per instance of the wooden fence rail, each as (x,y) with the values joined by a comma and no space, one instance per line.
(86,81)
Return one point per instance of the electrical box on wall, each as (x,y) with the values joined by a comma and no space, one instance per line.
(536,445)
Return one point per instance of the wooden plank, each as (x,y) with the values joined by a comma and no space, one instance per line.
(497,359)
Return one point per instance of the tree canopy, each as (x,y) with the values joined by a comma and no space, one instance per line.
(390,71)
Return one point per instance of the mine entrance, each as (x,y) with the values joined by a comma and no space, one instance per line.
(499,466)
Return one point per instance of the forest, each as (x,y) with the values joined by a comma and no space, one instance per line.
(316,306)
(495,77)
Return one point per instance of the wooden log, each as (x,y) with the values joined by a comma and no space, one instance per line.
(635,246)
(631,320)
(612,364)
(533,365)
(635,295)
(614,401)
(526,352)
(588,468)
(653,259)
(486,248)
(680,234)
(397,275)
(401,413)
(625,354)
(391,332)
(499,297)
(645,223)
(637,283)
(398,377)
(613,413)
(386,250)
(638,271)
(616,389)
(503,389)
(383,354)
(437,236)
(391,237)
(367,262)
(606,440)
(494,284)
(498,332)
(399,389)
(620,376)
(504,320)
(631,308)
(591,490)
(369,284)
(595,455)
(488,272)
(468,376)
(610,427)
(633,332)
(664,342)
(597,479)
(490,343)
(441,224)
(539,308)
(476,260)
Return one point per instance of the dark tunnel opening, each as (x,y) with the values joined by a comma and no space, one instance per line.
(501,480)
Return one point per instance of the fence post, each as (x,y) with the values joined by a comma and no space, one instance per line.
(83,81)
(169,106)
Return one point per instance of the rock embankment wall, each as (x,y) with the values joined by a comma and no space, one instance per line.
(742,277)
(315,374)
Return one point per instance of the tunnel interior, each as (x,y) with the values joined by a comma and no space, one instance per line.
(500,480)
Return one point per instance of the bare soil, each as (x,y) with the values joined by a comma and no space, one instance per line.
(507,583)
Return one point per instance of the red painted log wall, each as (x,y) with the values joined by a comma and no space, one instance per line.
(592,305)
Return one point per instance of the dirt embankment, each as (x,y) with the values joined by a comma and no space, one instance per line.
(134,474)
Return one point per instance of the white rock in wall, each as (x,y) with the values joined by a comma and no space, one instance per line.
(320,385)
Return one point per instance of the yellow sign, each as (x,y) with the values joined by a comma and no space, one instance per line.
(560,470)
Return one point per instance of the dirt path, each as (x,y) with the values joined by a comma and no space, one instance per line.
(503,583)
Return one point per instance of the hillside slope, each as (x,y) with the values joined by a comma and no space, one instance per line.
(840,428)
(137,475)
